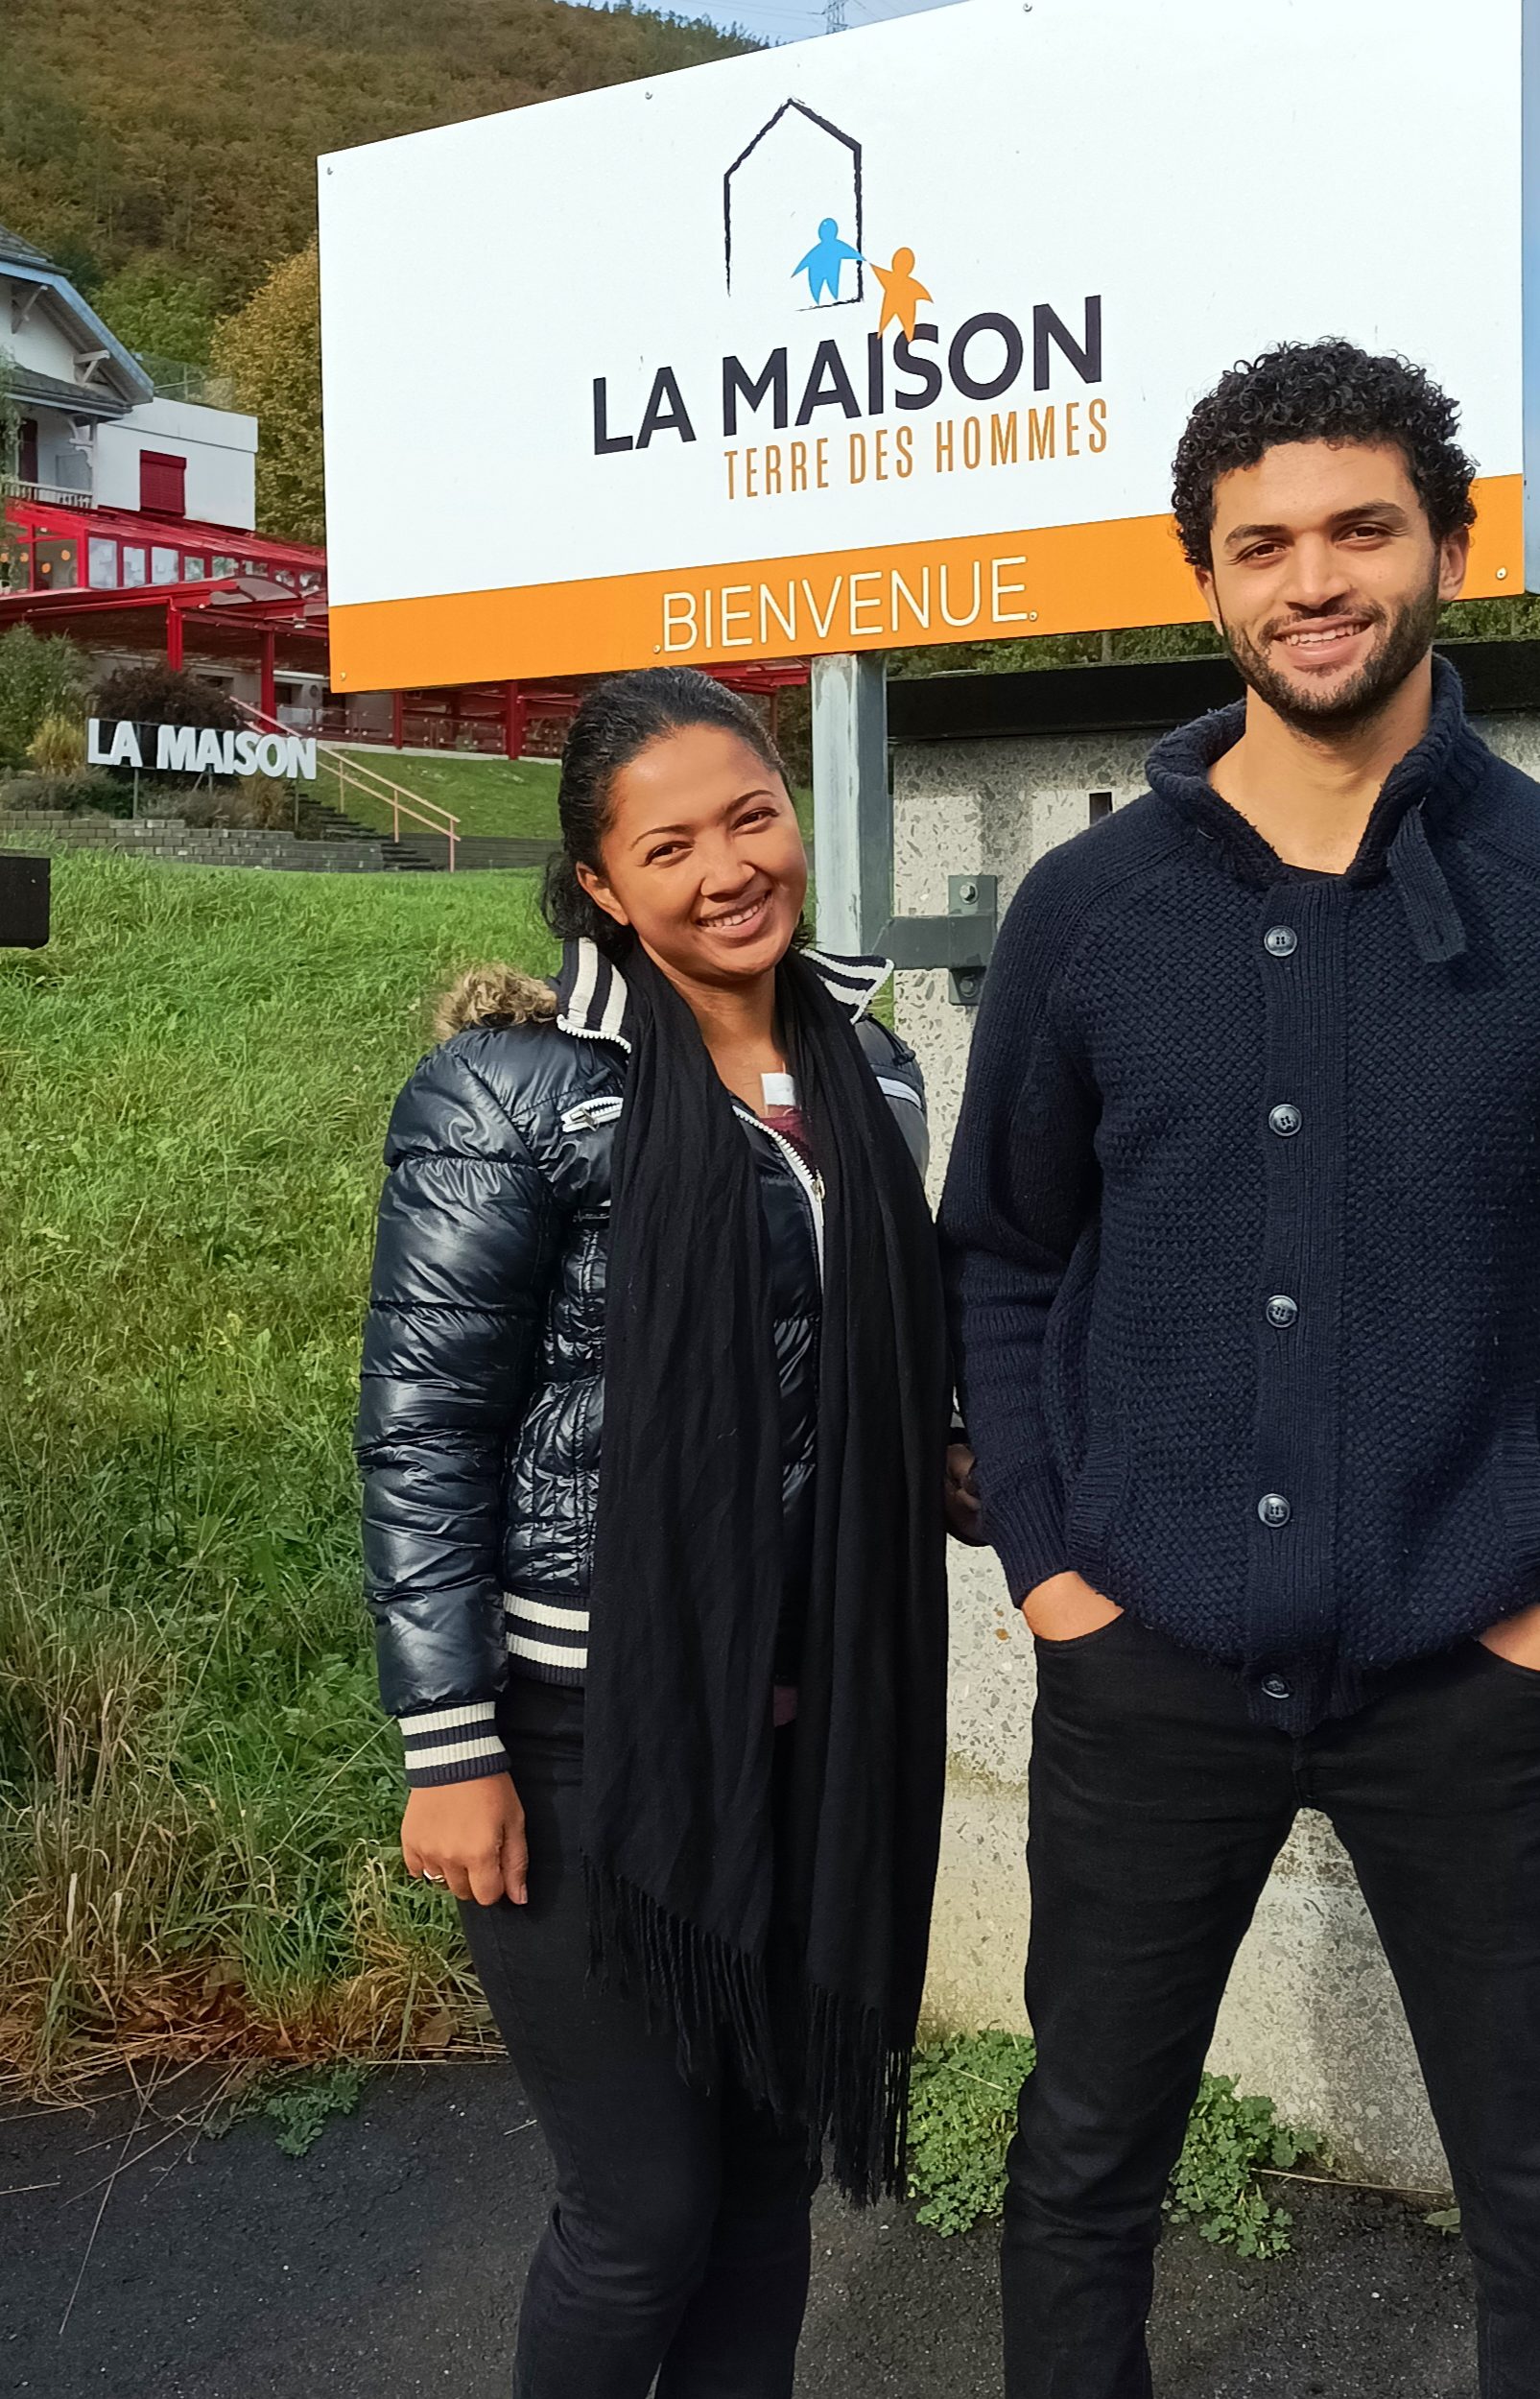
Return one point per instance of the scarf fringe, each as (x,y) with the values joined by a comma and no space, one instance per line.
(858,2096)
(851,2084)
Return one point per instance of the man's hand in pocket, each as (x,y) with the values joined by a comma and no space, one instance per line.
(1065,1606)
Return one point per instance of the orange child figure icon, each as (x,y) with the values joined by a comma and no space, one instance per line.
(902,294)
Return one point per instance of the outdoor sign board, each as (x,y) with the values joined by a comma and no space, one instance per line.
(887,338)
(199,750)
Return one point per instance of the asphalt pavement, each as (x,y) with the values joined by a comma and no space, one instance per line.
(142,2261)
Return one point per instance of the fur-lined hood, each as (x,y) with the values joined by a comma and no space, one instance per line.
(494,994)
(589,996)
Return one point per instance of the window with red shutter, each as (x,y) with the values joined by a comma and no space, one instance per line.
(162,484)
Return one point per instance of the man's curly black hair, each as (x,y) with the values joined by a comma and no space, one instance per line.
(1320,392)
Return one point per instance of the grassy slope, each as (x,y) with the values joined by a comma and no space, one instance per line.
(488,795)
(195,1793)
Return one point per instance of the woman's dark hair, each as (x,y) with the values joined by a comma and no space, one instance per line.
(614,723)
(1320,392)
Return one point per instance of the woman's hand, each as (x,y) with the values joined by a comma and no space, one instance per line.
(963,1512)
(1065,1606)
(471,1836)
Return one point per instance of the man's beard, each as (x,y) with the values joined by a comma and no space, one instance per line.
(1407,638)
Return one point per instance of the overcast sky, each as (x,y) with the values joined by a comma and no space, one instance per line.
(783,20)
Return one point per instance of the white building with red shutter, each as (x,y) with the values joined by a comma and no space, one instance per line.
(128,513)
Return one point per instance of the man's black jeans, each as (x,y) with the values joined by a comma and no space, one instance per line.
(1157,1810)
(679,2244)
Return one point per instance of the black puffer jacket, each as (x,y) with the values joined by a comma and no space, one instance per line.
(479,1432)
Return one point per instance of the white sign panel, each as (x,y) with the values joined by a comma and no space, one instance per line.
(887,336)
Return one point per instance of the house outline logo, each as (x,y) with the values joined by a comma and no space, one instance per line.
(829,248)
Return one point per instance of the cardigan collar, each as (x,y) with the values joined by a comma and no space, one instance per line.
(1425,787)
(591,993)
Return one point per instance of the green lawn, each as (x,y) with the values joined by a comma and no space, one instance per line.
(196,1795)
(488,795)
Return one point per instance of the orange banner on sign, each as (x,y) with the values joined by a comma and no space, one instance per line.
(1061,579)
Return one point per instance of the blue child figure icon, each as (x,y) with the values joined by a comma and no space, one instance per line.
(824,260)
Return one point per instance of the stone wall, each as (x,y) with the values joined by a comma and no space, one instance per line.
(1311,2017)
(48,831)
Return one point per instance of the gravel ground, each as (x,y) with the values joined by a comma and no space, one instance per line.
(387,2261)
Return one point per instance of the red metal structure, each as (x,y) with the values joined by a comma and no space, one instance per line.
(227,624)
(212,596)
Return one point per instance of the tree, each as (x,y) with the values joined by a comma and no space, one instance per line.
(160,310)
(38,678)
(150,693)
(270,351)
(188,135)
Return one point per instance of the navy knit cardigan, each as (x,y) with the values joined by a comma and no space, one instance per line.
(1243,1223)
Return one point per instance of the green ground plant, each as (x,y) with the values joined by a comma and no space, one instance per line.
(299,2103)
(962,2112)
(196,1794)
(58,747)
(39,677)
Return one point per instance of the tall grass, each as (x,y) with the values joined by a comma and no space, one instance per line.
(196,1794)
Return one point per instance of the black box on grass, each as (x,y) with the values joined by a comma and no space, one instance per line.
(23,902)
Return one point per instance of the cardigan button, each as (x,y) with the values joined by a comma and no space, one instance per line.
(1274,1510)
(1274,1687)
(1282,1310)
(1285,1120)
(1280,941)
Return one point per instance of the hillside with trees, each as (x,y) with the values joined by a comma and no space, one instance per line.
(163,151)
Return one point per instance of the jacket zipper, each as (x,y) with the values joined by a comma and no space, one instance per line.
(812,1183)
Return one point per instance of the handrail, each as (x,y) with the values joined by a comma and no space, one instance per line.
(375,786)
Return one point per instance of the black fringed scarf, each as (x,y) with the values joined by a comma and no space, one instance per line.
(678,1840)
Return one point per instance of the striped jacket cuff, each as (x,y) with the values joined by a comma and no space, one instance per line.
(453,1745)
(549,1642)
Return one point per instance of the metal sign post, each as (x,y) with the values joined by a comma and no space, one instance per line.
(852,805)
(853,839)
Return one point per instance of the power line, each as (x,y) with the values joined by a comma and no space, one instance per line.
(834,16)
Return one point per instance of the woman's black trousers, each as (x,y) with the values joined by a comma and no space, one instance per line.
(677,2244)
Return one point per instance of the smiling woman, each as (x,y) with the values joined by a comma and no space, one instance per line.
(654,1435)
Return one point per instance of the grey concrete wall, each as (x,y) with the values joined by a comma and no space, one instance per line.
(1311,2017)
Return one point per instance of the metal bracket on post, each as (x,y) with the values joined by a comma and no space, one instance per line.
(962,940)
(853,840)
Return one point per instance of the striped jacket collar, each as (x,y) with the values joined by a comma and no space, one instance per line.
(591,994)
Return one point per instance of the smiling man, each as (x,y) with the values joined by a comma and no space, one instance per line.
(1243,1237)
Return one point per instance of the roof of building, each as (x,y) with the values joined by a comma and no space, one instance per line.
(22,261)
(76,399)
(181,533)
(1149,697)
(22,254)
(218,620)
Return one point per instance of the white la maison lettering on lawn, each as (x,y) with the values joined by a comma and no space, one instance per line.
(200,750)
